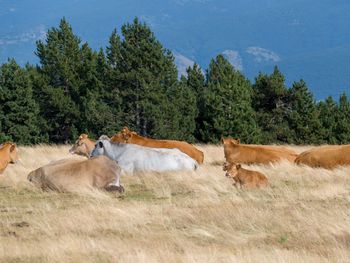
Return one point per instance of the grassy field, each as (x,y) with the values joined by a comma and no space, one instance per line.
(303,216)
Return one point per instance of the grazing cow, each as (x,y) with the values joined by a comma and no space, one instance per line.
(245,179)
(327,157)
(8,154)
(127,136)
(70,174)
(83,146)
(262,154)
(135,158)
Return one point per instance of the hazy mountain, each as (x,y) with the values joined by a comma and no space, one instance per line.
(306,39)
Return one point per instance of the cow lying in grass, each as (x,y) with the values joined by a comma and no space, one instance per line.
(134,158)
(127,136)
(8,154)
(235,152)
(244,178)
(328,157)
(70,175)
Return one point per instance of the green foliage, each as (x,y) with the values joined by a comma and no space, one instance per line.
(270,103)
(134,83)
(342,127)
(196,83)
(227,104)
(303,116)
(18,109)
(328,110)
(146,73)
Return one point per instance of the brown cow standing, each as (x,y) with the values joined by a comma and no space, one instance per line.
(246,179)
(327,157)
(83,146)
(263,154)
(8,154)
(127,136)
(71,174)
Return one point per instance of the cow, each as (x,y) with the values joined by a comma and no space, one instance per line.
(127,136)
(328,157)
(83,146)
(8,154)
(134,158)
(235,152)
(71,174)
(243,178)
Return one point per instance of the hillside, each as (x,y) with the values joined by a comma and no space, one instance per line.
(303,216)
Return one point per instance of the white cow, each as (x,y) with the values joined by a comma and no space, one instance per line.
(135,158)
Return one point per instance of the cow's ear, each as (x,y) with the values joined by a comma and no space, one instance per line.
(238,141)
(238,166)
(100,144)
(12,148)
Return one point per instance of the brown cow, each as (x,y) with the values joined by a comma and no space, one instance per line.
(327,157)
(127,136)
(8,154)
(70,174)
(83,146)
(246,179)
(250,153)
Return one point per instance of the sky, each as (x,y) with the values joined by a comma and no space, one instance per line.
(306,39)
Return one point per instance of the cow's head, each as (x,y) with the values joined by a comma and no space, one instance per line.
(81,146)
(13,152)
(226,141)
(99,149)
(231,169)
(118,138)
(127,134)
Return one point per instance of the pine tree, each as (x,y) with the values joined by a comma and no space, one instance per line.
(102,107)
(328,111)
(18,110)
(270,103)
(196,82)
(303,117)
(145,72)
(343,120)
(227,102)
(183,99)
(61,64)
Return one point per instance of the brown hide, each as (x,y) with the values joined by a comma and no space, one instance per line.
(327,157)
(127,136)
(250,153)
(246,179)
(72,174)
(8,154)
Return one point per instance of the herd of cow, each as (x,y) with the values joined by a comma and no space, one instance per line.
(129,153)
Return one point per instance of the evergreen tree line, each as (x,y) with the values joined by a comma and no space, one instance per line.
(134,82)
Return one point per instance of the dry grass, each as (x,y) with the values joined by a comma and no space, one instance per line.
(304,216)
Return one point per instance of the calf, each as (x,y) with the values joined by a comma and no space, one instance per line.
(246,179)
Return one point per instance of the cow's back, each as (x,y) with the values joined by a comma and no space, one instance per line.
(136,158)
(185,147)
(241,153)
(327,157)
(70,174)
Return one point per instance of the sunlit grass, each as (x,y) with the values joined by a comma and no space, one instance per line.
(303,216)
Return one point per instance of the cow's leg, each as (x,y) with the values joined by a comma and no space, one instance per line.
(115,186)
